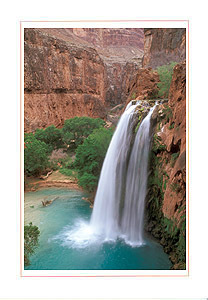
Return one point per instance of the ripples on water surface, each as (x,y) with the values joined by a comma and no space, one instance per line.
(67,242)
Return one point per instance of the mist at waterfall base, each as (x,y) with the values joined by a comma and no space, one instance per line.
(112,238)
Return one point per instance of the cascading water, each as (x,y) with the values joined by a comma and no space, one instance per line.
(136,185)
(119,201)
(105,214)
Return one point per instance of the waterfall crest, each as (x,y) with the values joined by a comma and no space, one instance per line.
(119,202)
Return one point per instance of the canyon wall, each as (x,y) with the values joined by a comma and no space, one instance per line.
(173,136)
(166,201)
(121,50)
(61,80)
(77,72)
(163,45)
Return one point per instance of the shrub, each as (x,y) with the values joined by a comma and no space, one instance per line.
(52,136)
(68,172)
(90,156)
(35,156)
(75,130)
(31,235)
(165,74)
(88,181)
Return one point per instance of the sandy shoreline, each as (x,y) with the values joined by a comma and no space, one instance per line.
(56,179)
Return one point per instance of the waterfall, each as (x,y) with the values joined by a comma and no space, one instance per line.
(119,202)
(136,185)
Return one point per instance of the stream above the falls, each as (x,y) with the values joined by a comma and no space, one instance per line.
(67,241)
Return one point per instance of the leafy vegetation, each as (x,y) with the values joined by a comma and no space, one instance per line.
(90,156)
(138,124)
(167,113)
(39,146)
(174,157)
(77,129)
(171,126)
(157,145)
(52,136)
(31,235)
(165,74)
(35,156)
(133,96)
(68,172)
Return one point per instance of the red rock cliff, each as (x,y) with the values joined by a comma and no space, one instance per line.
(143,85)
(166,201)
(74,72)
(119,48)
(61,80)
(173,136)
(163,45)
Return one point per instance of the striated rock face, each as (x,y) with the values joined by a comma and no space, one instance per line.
(121,50)
(62,80)
(111,37)
(76,72)
(163,45)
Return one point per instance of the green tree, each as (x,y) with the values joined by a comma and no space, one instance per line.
(165,74)
(77,129)
(90,156)
(52,136)
(35,156)
(31,235)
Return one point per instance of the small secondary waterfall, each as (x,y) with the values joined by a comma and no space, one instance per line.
(119,201)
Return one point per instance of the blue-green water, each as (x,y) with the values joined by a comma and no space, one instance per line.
(66,241)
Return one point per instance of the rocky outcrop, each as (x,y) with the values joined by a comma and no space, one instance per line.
(166,201)
(62,80)
(163,45)
(143,85)
(119,76)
